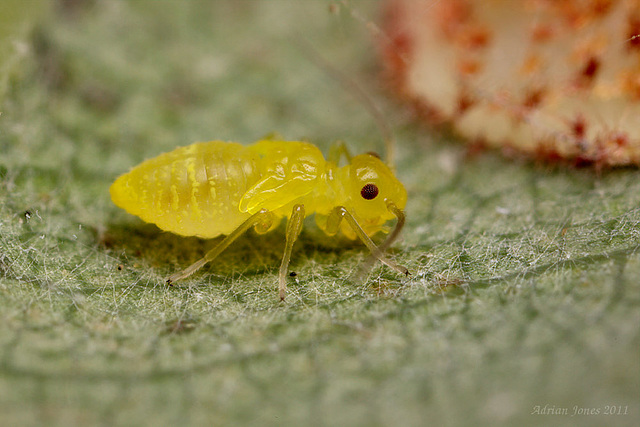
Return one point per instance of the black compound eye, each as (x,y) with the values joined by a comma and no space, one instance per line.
(369,191)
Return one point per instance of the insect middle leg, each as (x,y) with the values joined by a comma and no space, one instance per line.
(261,220)
(294,226)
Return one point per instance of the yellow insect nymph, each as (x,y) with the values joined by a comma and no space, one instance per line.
(218,188)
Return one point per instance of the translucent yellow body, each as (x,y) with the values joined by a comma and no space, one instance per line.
(210,188)
(222,188)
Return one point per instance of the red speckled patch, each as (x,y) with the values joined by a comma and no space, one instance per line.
(556,79)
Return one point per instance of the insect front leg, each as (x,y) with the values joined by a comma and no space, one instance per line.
(333,223)
(294,226)
(261,220)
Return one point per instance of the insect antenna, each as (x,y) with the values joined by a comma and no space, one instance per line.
(356,91)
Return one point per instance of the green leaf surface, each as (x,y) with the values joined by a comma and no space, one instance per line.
(524,289)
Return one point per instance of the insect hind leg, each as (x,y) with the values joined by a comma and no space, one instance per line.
(261,220)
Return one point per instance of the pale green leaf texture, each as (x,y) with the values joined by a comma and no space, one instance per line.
(524,289)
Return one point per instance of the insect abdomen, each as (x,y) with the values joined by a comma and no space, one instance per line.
(192,191)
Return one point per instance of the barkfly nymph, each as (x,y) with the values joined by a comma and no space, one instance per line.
(218,188)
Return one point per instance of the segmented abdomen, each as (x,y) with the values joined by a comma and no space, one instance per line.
(192,191)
